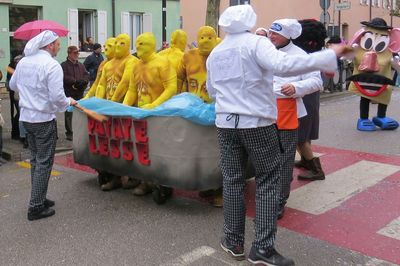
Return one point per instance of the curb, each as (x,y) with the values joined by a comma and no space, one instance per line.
(325,96)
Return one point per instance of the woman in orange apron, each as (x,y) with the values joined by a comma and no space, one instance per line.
(289,92)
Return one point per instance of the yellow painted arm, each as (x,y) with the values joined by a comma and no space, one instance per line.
(101,88)
(168,78)
(131,96)
(123,85)
(181,76)
(93,88)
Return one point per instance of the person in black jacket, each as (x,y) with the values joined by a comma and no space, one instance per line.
(93,61)
(76,79)
(14,107)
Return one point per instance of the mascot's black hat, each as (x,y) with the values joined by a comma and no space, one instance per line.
(377,23)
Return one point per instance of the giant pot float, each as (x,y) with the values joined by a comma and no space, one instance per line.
(174,145)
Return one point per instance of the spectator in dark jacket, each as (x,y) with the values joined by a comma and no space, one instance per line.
(14,106)
(93,61)
(76,79)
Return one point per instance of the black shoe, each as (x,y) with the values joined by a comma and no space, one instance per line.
(68,137)
(48,203)
(268,257)
(236,251)
(44,213)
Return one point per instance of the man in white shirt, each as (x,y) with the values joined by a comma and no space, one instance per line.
(289,92)
(39,80)
(239,78)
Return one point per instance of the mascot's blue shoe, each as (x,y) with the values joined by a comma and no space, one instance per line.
(385,123)
(365,125)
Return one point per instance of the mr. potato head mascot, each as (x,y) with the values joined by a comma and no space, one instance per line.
(374,46)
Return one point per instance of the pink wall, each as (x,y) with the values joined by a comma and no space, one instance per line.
(193,13)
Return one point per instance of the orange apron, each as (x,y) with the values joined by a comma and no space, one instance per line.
(287,114)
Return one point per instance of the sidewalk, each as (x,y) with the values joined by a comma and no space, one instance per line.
(13,149)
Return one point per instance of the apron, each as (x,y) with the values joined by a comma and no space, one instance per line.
(287,114)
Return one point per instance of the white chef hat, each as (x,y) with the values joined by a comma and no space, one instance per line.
(39,41)
(239,18)
(288,28)
(261,29)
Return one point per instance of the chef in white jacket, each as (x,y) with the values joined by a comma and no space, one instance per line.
(289,92)
(240,74)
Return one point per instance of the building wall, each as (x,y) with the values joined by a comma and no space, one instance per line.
(193,13)
(155,8)
(57,10)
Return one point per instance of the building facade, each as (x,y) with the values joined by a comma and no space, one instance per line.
(99,19)
(193,13)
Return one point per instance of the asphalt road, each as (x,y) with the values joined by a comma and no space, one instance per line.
(92,227)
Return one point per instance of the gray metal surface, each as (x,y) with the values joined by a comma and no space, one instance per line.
(183,154)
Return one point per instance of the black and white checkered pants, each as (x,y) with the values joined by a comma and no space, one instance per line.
(261,146)
(289,142)
(42,139)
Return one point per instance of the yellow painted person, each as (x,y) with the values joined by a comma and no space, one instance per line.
(112,86)
(192,70)
(192,75)
(109,52)
(153,80)
(178,44)
(116,73)
(152,83)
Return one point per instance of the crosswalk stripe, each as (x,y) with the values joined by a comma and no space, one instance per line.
(392,230)
(320,196)
(298,157)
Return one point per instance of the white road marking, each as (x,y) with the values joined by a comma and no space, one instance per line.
(320,196)
(196,254)
(192,256)
(377,262)
(201,253)
(298,157)
(392,230)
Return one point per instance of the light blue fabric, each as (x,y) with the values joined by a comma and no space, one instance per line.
(185,105)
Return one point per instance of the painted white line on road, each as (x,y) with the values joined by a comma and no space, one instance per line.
(320,196)
(377,262)
(298,157)
(392,230)
(192,256)
(197,254)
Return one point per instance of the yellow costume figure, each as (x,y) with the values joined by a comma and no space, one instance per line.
(192,71)
(114,83)
(175,53)
(109,52)
(116,73)
(153,80)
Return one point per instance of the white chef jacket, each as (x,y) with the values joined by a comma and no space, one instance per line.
(240,74)
(39,80)
(304,84)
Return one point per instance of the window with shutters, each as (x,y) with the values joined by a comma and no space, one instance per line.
(134,24)
(81,26)
(86,28)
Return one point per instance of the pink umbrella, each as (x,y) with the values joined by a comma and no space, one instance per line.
(30,29)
